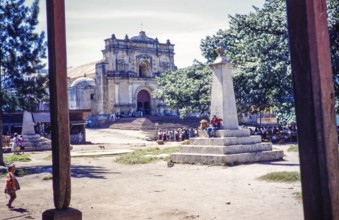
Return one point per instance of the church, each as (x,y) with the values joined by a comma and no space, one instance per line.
(122,82)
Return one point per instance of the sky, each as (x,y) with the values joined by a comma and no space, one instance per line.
(183,22)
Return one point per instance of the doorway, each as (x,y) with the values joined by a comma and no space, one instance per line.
(144,102)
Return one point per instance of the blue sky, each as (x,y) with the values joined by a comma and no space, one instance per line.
(184,22)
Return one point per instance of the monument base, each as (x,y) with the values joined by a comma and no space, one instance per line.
(230,147)
(35,142)
(62,214)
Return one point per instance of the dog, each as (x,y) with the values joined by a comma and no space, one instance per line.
(102,147)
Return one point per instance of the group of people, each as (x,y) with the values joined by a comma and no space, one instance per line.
(179,134)
(182,134)
(44,129)
(276,134)
(18,144)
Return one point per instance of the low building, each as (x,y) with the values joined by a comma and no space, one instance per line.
(12,123)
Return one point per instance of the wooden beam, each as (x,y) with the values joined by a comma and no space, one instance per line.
(314,95)
(59,103)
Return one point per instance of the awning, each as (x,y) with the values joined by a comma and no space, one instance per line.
(44,117)
(41,117)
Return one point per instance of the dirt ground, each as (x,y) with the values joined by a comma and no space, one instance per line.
(104,189)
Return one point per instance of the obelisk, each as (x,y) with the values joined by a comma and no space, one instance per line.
(231,145)
(222,94)
(27,124)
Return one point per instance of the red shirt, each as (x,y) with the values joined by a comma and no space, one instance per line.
(10,181)
(216,122)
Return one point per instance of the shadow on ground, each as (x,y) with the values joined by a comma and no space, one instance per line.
(278,163)
(95,172)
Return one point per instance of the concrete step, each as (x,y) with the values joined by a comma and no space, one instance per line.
(230,159)
(231,149)
(37,143)
(226,133)
(233,133)
(224,141)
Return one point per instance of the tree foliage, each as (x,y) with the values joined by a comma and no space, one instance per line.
(257,45)
(187,89)
(333,27)
(22,51)
(21,54)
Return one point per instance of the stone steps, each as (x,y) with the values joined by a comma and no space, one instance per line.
(229,159)
(232,149)
(37,143)
(224,141)
(148,123)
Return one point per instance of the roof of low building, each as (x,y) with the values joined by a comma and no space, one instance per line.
(79,71)
(83,82)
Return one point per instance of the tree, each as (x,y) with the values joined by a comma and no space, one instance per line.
(187,89)
(21,54)
(333,27)
(257,45)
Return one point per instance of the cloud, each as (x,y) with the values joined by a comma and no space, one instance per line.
(184,22)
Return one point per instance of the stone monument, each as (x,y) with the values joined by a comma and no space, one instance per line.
(231,145)
(33,141)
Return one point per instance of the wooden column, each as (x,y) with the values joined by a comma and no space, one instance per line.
(314,95)
(59,113)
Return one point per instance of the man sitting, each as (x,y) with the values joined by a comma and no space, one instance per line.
(215,125)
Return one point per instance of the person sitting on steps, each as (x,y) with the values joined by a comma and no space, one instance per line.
(203,124)
(215,125)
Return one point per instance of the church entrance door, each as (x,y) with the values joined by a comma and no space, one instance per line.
(144,102)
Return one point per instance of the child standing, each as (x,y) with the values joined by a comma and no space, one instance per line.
(11,186)
(22,143)
(15,143)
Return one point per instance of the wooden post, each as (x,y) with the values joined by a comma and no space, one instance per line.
(59,113)
(314,96)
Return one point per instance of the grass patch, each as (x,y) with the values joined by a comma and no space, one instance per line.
(148,155)
(293,148)
(281,177)
(49,177)
(8,159)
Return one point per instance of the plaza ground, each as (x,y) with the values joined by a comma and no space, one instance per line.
(105,189)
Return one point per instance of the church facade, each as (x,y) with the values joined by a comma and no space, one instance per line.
(125,78)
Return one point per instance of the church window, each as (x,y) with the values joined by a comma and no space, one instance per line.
(144,69)
(121,66)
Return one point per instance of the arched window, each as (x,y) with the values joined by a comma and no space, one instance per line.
(144,69)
